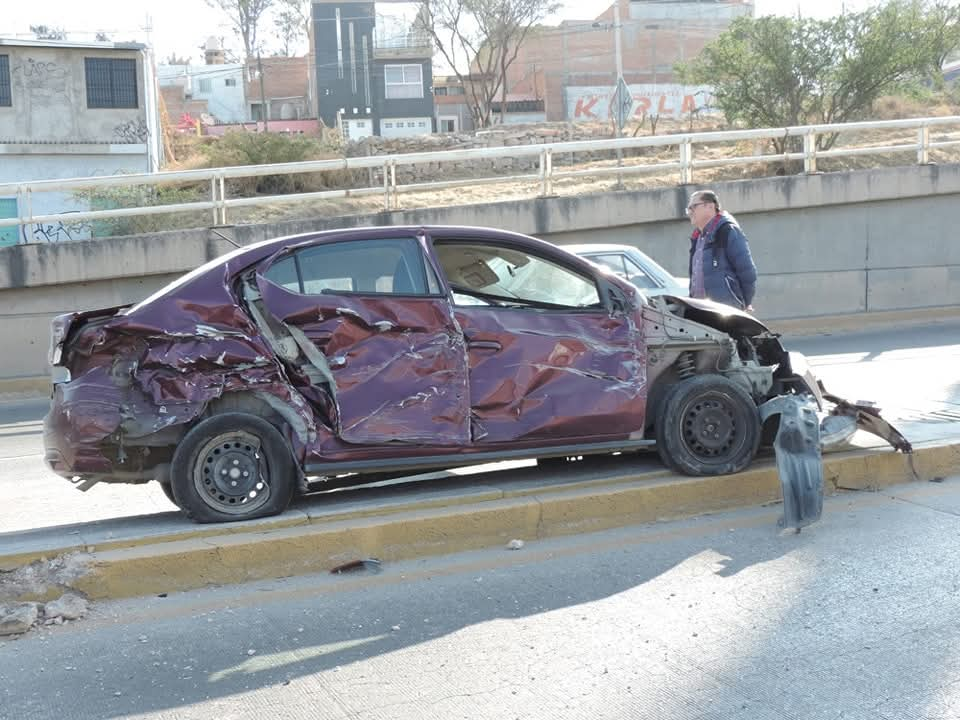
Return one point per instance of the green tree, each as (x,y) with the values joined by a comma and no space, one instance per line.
(778,71)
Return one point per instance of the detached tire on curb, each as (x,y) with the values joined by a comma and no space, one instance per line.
(232,466)
(707,425)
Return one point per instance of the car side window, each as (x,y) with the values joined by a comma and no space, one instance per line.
(284,273)
(612,262)
(482,274)
(382,266)
(626,268)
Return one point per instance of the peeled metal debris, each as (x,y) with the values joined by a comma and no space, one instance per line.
(801,440)
(371,565)
(799,463)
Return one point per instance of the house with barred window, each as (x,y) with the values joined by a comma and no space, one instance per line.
(67,110)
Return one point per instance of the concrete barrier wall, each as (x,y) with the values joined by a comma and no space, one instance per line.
(825,244)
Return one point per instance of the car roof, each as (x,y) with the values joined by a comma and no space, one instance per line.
(583,248)
(243,257)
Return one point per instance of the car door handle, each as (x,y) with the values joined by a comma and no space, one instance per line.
(491,345)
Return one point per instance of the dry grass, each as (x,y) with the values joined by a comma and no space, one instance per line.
(468,194)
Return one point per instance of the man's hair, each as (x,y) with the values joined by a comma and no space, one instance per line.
(707,196)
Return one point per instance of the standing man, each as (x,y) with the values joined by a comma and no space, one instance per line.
(721,267)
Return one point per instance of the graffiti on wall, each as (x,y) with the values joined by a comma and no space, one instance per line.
(41,79)
(55,232)
(132,131)
(664,100)
(50,232)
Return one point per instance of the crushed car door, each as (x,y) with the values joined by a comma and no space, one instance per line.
(372,318)
(548,359)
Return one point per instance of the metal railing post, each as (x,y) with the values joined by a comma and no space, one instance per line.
(393,185)
(213,197)
(386,186)
(923,148)
(686,162)
(810,152)
(542,172)
(29,198)
(22,213)
(223,201)
(548,172)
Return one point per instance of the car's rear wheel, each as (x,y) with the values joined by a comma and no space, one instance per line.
(168,491)
(232,467)
(707,425)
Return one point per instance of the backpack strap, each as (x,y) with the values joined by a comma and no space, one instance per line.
(720,242)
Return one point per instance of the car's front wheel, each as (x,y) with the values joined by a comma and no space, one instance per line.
(707,425)
(232,466)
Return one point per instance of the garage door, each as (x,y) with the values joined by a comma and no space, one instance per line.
(405,127)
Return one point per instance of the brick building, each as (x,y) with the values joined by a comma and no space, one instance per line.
(571,67)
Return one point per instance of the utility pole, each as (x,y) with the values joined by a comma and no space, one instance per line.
(620,85)
(263,96)
(616,28)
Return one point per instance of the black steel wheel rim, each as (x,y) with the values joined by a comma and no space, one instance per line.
(231,474)
(713,427)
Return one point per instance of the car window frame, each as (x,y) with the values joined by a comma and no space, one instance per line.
(430,277)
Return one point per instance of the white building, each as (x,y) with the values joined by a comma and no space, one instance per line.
(221,86)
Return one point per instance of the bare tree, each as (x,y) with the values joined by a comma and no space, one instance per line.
(480,40)
(244,17)
(292,23)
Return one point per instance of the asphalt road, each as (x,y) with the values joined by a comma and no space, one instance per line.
(719,617)
(914,374)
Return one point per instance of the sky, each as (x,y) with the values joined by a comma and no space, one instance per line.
(182,26)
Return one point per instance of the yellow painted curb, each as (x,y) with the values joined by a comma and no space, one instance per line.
(295,551)
(447,527)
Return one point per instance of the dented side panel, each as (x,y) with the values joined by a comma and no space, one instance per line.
(157,368)
(552,374)
(398,363)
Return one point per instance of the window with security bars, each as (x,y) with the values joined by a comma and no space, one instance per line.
(403,81)
(6,100)
(111,82)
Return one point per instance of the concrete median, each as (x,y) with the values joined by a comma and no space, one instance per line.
(404,522)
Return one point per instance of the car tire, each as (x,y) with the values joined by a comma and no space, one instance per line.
(707,425)
(168,491)
(231,467)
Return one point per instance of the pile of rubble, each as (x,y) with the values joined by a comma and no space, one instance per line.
(23,588)
(17,618)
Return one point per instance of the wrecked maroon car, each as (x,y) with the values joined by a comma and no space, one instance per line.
(359,353)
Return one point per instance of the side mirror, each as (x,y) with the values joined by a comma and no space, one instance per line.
(614,299)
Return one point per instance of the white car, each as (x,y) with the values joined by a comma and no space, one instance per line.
(631,264)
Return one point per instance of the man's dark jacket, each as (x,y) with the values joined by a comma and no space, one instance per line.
(729,274)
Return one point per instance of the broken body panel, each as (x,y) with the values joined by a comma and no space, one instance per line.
(374,381)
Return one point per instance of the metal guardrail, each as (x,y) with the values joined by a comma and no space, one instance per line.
(219,204)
